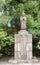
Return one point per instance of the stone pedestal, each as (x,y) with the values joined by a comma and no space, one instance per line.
(23,45)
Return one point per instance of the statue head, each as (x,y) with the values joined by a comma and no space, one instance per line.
(23,14)
(23,17)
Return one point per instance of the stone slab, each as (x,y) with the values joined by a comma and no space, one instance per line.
(12,61)
(23,45)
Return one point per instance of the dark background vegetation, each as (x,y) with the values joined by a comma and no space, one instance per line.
(10,12)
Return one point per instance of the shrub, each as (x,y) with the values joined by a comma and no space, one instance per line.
(4,41)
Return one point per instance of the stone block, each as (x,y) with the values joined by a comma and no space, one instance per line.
(17,38)
(23,45)
(29,47)
(29,38)
(23,54)
(16,47)
(29,55)
(19,47)
(16,55)
(19,55)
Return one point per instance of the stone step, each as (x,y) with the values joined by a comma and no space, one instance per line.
(23,61)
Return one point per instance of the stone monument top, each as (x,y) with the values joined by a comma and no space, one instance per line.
(23,14)
(23,21)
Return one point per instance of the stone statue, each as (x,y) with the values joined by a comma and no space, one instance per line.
(23,21)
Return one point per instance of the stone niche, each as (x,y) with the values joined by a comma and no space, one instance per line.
(23,45)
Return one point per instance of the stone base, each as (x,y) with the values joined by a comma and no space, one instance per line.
(6,63)
(23,45)
(19,61)
(14,61)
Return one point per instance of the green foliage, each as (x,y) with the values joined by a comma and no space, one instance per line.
(30,21)
(4,19)
(0,55)
(1,4)
(5,40)
(31,7)
(21,1)
(38,17)
(8,50)
(38,46)
(19,10)
(7,1)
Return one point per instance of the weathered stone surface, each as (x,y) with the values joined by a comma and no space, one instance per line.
(18,62)
(16,47)
(29,54)
(30,38)
(16,55)
(29,47)
(17,38)
(23,45)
